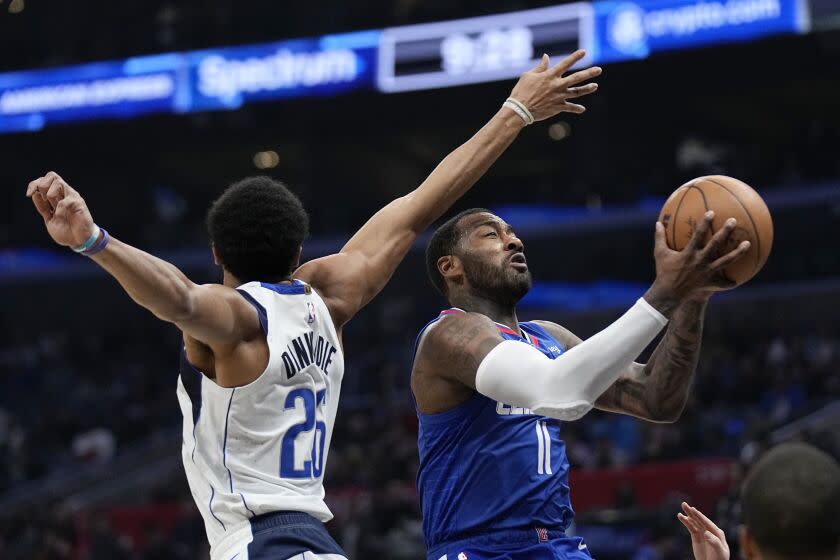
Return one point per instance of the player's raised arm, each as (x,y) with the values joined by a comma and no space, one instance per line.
(211,313)
(466,348)
(658,390)
(350,279)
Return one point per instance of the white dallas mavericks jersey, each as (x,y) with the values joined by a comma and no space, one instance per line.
(263,447)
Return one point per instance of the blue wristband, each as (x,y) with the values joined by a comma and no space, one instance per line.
(99,246)
(91,241)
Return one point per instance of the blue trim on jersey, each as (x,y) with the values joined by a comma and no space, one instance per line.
(297,288)
(224,454)
(224,441)
(191,378)
(210,507)
(246,505)
(264,324)
(543,333)
(195,445)
(260,310)
(287,534)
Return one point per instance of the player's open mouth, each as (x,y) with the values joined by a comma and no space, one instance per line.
(517,261)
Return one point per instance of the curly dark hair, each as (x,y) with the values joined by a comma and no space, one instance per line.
(257,227)
(443,243)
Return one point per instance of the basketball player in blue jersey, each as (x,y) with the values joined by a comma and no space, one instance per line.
(263,360)
(491,391)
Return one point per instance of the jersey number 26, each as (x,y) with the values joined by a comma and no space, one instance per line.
(314,464)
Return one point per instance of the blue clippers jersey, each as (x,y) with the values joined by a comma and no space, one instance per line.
(487,466)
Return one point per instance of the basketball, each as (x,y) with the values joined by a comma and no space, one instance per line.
(729,198)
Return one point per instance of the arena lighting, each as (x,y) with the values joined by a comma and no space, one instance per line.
(268,159)
(559,130)
(16,6)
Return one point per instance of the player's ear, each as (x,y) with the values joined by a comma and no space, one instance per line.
(749,550)
(450,266)
(215,255)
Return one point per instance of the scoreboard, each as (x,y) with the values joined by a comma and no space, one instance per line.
(479,49)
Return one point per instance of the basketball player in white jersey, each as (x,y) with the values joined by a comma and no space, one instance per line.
(263,361)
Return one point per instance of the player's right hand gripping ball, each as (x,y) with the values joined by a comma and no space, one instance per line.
(729,198)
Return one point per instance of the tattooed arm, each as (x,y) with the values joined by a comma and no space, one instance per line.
(658,390)
(467,352)
(448,356)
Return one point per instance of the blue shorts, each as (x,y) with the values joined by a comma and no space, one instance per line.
(532,544)
(289,536)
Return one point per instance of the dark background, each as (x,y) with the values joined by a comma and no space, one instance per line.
(88,420)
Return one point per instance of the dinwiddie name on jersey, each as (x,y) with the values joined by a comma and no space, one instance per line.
(305,350)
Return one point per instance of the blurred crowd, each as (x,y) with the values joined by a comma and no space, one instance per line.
(72,399)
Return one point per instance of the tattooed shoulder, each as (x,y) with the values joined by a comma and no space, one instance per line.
(456,345)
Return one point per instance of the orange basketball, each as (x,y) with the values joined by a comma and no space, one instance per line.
(729,198)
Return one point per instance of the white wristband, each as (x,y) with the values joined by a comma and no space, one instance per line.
(520,109)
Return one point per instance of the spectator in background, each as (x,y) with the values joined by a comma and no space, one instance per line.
(791,507)
(104,542)
(160,547)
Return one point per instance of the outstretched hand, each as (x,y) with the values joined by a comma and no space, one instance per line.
(546,92)
(707,539)
(64,211)
(699,267)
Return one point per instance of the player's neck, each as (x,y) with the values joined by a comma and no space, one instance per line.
(230,280)
(501,313)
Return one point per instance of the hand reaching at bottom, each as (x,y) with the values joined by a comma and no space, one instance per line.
(707,539)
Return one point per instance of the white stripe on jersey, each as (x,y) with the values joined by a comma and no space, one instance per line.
(263,447)
(547,440)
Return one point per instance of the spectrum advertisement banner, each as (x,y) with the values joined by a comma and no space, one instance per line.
(333,64)
(634,29)
(185,82)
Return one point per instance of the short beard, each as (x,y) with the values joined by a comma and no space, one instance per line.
(504,285)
